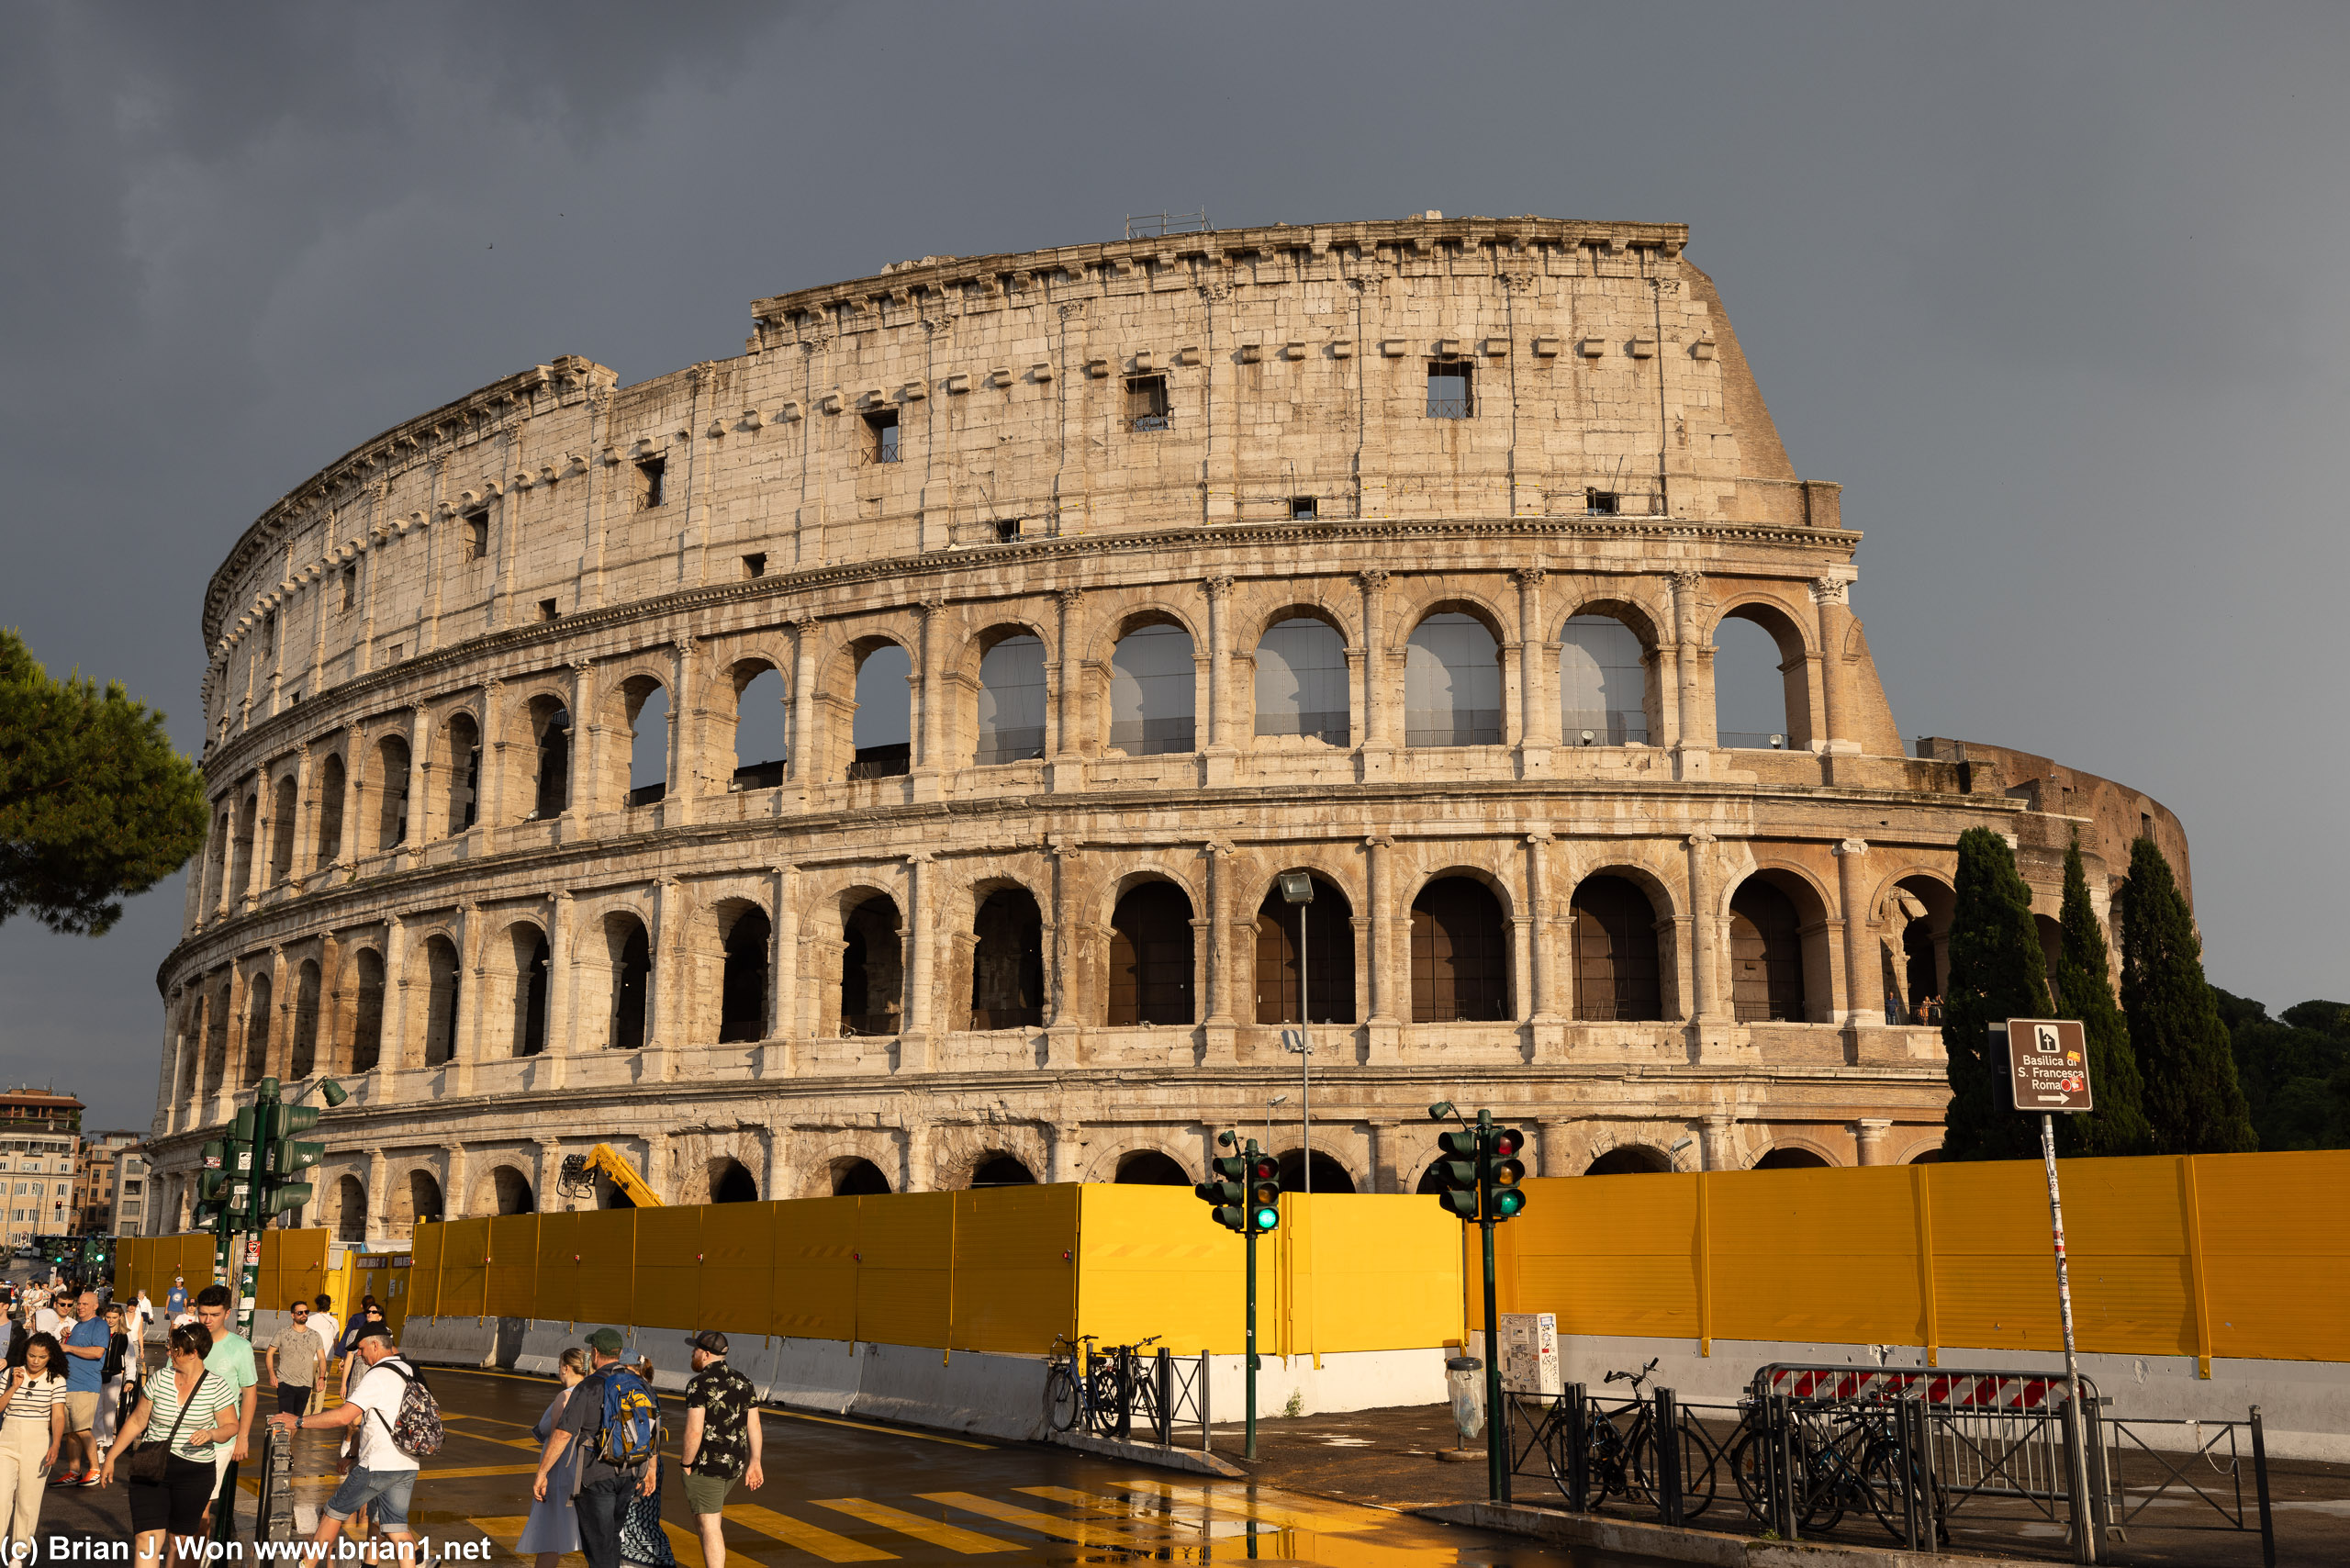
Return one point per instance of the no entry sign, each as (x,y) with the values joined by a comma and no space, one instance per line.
(2048,1063)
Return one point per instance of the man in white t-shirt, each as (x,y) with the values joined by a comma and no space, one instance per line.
(382,1477)
(325,1323)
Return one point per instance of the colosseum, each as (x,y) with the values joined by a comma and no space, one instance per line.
(886,760)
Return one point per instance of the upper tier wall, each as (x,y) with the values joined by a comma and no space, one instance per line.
(1295,365)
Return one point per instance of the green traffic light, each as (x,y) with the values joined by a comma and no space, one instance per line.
(1267,1218)
(1507,1201)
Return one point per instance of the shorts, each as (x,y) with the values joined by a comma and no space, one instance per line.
(81,1412)
(177,1503)
(293,1399)
(706,1493)
(383,1493)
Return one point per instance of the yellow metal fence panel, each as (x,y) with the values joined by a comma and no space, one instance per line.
(1379,1271)
(2276,1242)
(464,1253)
(1015,1269)
(1606,1254)
(1151,1262)
(669,1267)
(815,1269)
(905,1252)
(423,1293)
(1825,1255)
(603,1285)
(738,1267)
(510,1281)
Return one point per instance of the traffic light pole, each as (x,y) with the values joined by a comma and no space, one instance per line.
(1251,1371)
(1496,1418)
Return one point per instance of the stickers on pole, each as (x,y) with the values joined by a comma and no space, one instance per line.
(2048,1065)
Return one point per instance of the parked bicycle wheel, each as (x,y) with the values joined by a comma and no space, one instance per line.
(1061,1399)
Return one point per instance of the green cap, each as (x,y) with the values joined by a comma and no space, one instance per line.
(605,1341)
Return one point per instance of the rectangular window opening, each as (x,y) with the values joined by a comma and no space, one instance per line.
(1450,394)
(1007,530)
(755,565)
(1146,402)
(1602,503)
(548,611)
(881,436)
(649,476)
(350,588)
(476,535)
(269,636)
(1303,509)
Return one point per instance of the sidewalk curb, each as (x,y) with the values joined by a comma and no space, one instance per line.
(1635,1538)
(1190,1460)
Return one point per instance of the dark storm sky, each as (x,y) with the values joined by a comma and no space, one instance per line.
(2057,293)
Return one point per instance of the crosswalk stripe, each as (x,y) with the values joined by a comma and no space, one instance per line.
(808,1538)
(687,1546)
(1084,1533)
(1292,1513)
(954,1538)
(507,1532)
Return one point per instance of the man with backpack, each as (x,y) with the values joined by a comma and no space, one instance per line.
(398,1422)
(618,1420)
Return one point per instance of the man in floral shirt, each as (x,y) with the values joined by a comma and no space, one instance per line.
(721,1444)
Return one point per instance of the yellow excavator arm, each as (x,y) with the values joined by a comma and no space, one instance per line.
(579,1176)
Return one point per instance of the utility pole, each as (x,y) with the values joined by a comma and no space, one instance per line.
(1479,1180)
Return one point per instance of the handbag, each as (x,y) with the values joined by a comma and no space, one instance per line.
(147,1461)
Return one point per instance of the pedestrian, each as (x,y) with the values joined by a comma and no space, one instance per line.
(722,1442)
(32,1429)
(195,1410)
(19,1335)
(382,1478)
(605,1487)
(370,1313)
(85,1357)
(175,1302)
(298,1375)
(117,1377)
(643,1543)
(142,1317)
(326,1327)
(552,1528)
(231,1360)
(45,1318)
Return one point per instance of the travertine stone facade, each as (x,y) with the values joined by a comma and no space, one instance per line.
(1015,535)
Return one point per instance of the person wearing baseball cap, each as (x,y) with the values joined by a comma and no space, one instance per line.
(723,1439)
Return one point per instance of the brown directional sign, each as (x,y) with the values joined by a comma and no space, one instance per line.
(2048,1063)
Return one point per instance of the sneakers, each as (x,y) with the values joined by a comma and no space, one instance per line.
(89,1478)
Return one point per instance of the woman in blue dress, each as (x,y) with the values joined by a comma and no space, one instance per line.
(643,1543)
(553,1526)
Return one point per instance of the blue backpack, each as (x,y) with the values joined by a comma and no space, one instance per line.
(632,1431)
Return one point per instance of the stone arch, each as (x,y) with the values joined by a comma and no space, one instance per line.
(387,791)
(458,764)
(1330,954)
(506,1190)
(1629,1159)
(302,1051)
(873,976)
(1782,965)
(348,1218)
(2052,951)
(415,1199)
(516,976)
(366,1048)
(853,1176)
(1453,677)
(1151,953)
(1002,697)
(749,719)
(1149,1166)
(643,707)
(1610,678)
(995,1167)
(1301,680)
(331,789)
(259,1018)
(547,725)
(747,942)
(1330,1173)
(1793,1153)
(1740,700)
(283,814)
(1460,948)
(1005,960)
(1621,955)
(1917,904)
(217,859)
(1152,685)
(628,952)
(436,998)
(240,864)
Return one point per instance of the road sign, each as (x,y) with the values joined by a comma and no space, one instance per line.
(2048,1065)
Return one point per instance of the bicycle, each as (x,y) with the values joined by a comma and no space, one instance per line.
(1846,1460)
(1626,1460)
(1067,1381)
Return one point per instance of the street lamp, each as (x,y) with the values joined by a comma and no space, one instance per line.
(1297,888)
(1276,1100)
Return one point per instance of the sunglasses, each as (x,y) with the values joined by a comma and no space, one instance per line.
(301,1312)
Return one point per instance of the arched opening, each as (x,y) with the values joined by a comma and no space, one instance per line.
(1329,957)
(762,726)
(742,989)
(216,855)
(281,851)
(1151,691)
(391,792)
(1302,682)
(367,1012)
(512,1190)
(424,1198)
(1008,962)
(330,790)
(632,960)
(192,1020)
(1603,683)
(257,1022)
(1761,690)
(350,1210)
(215,1045)
(1452,683)
(241,878)
(1150,1168)
(1790,1159)
(872,968)
(730,1183)
(1917,960)
(443,982)
(858,1179)
(551,730)
(302,1059)
(1459,953)
(531,959)
(1767,982)
(1927,1156)
(1329,1176)
(1618,973)
(461,753)
(1150,956)
(1002,1171)
(1012,703)
(647,702)
(1631,1160)
(2052,949)
(881,730)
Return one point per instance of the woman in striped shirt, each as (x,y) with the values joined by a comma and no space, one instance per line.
(195,1411)
(32,1423)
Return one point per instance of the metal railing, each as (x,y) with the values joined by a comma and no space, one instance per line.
(1154,225)
(1115,1392)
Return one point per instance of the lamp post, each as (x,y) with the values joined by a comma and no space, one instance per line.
(1276,1100)
(1297,888)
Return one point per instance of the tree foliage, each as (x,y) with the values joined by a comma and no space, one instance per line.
(2085,990)
(2294,1070)
(2194,1105)
(1997,970)
(95,804)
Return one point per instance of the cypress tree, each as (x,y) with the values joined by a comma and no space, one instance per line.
(1997,970)
(2119,1123)
(2193,1102)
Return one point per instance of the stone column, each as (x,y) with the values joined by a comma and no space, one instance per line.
(1378,739)
(1545,968)
(277,1050)
(1831,597)
(545,1181)
(1521,960)
(257,874)
(1551,1149)
(1863,998)
(916,1044)
(490,789)
(300,858)
(1215,965)
(580,801)
(1704,931)
(1872,1131)
(685,735)
(1384,1149)
(657,1161)
(1390,1008)
(662,1023)
(783,977)
(465,1029)
(1220,739)
(1061,1020)
(420,778)
(929,703)
(776,1179)
(1697,714)
(378,1221)
(356,831)
(391,1057)
(802,754)
(1068,769)
(1538,727)
(1718,1143)
(452,1180)
(562,961)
